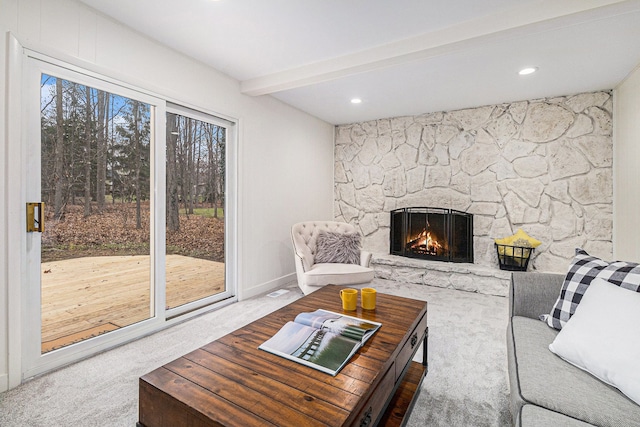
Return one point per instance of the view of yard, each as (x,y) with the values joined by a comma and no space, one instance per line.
(113,232)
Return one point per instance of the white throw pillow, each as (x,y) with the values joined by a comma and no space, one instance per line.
(603,338)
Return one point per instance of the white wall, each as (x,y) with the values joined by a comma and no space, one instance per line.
(626,237)
(285,170)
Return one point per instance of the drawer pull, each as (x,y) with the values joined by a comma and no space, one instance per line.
(366,419)
(414,340)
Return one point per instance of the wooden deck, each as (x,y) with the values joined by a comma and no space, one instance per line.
(83,297)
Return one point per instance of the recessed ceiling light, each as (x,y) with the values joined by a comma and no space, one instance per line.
(356,101)
(528,70)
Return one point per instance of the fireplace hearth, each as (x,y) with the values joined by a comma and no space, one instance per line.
(432,233)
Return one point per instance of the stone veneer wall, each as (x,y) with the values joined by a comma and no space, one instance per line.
(542,165)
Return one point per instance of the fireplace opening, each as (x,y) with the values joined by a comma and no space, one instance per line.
(432,233)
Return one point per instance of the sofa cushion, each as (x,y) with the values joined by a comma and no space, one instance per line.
(337,247)
(602,337)
(583,269)
(305,234)
(338,274)
(544,379)
(535,416)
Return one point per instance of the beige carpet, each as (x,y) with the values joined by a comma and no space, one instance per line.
(466,384)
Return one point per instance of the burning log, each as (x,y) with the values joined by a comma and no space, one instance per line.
(424,243)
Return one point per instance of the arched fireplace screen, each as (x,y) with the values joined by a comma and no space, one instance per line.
(432,233)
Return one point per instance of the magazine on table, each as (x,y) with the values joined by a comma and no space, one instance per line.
(322,339)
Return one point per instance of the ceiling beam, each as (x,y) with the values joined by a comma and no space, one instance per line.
(526,19)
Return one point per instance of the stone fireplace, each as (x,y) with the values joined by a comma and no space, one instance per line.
(542,165)
(432,233)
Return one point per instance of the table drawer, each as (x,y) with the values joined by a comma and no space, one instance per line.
(410,346)
(374,406)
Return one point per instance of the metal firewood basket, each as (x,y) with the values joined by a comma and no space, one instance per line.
(513,258)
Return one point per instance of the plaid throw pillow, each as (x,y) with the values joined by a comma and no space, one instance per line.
(583,269)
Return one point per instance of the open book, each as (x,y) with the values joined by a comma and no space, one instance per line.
(322,339)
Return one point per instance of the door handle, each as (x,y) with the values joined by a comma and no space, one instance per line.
(35,217)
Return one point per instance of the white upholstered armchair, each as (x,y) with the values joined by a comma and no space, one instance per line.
(312,275)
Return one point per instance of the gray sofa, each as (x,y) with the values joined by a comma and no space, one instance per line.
(546,390)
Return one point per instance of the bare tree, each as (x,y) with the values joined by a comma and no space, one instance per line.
(189,166)
(197,152)
(87,153)
(219,167)
(101,152)
(212,174)
(138,162)
(58,200)
(173,204)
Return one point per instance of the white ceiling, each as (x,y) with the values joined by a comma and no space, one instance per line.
(401,57)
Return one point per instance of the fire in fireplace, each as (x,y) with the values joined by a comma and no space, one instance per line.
(432,233)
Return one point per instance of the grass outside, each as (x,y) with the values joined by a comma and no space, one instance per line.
(209,212)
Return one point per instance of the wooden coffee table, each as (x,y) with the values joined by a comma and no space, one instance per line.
(230,382)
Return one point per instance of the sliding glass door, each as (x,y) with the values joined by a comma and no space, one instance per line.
(95,187)
(195,208)
(127,214)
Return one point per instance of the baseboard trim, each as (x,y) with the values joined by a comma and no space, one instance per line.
(266,286)
(4,383)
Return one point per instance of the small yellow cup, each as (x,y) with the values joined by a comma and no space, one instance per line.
(368,299)
(349,299)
